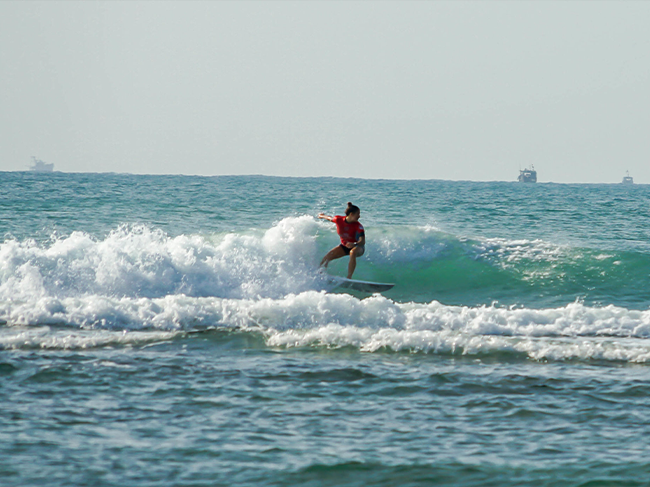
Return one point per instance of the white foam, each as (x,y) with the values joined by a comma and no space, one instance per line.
(138,261)
(320,319)
(511,252)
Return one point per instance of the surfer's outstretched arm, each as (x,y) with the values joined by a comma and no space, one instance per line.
(323,216)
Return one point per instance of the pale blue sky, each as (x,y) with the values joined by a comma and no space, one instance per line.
(443,90)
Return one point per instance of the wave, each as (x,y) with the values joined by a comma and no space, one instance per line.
(426,263)
(139,285)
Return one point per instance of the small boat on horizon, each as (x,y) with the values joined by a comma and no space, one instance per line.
(627,179)
(40,166)
(528,175)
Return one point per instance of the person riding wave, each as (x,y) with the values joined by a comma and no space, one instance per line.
(353,238)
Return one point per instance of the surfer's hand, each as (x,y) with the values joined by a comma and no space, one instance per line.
(350,245)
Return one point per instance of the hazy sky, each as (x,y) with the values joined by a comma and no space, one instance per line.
(433,90)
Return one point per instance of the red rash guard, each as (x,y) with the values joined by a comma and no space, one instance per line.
(349,232)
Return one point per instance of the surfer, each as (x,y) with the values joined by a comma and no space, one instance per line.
(353,238)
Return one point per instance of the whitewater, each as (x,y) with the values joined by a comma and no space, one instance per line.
(519,326)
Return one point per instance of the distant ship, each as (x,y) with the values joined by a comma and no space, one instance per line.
(528,175)
(40,166)
(628,179)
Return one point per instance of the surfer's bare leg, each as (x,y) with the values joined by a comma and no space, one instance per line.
(336,253)
(352,265)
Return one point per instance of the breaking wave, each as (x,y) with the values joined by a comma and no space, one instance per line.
(138,285)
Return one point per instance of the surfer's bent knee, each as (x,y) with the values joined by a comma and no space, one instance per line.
(358,250)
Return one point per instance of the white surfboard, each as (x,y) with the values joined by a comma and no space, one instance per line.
(363,286)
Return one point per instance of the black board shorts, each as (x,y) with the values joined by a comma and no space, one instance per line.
(362,250)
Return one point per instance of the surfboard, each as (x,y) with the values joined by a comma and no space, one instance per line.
(363,286)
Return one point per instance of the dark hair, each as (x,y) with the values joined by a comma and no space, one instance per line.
(351,209)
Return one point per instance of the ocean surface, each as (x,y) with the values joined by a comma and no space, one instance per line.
(174,331)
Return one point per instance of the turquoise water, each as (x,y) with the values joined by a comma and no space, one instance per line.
(170,330)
